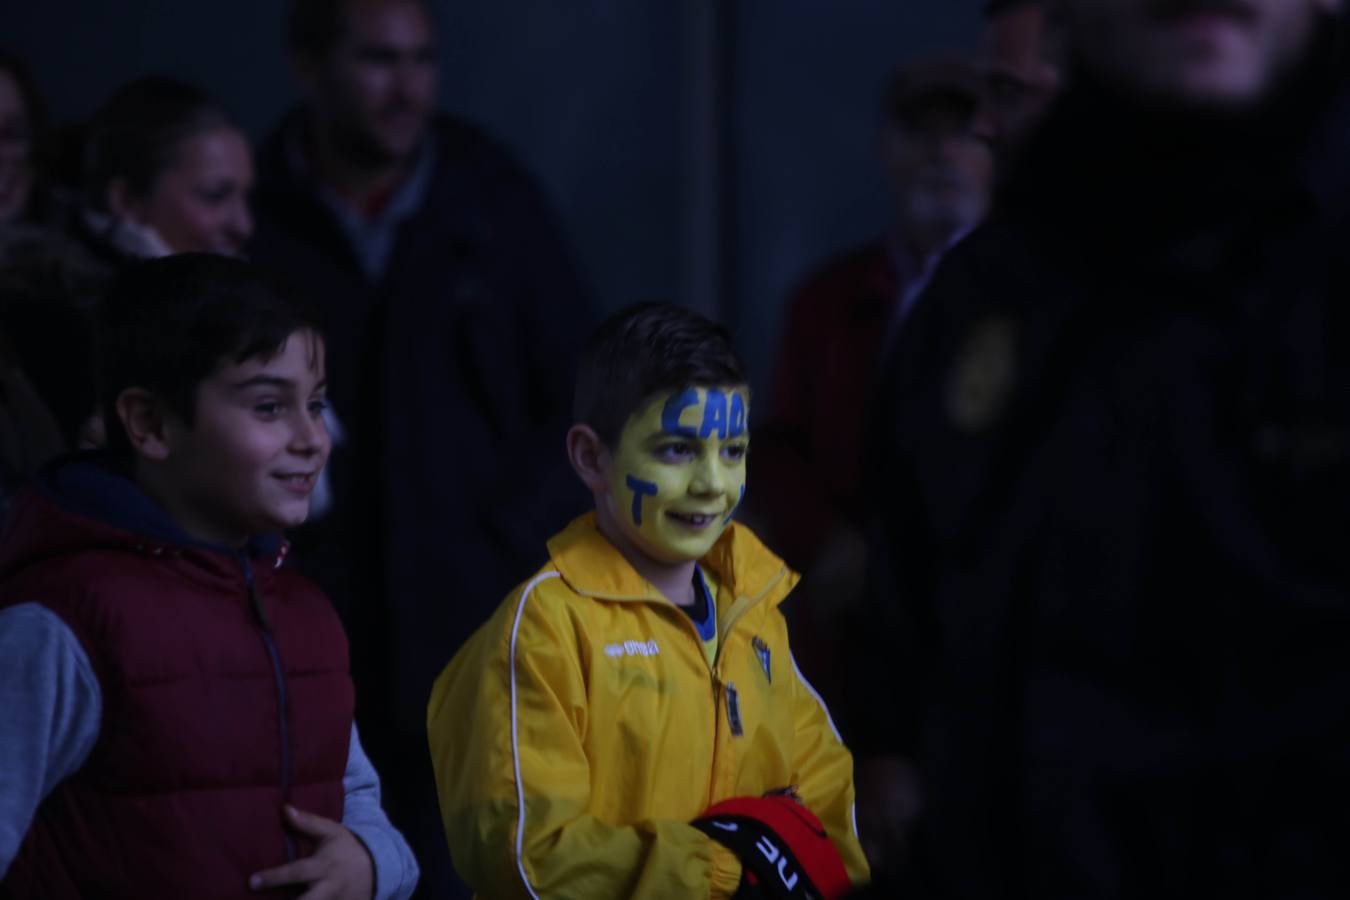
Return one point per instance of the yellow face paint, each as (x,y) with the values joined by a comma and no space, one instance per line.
(678,472)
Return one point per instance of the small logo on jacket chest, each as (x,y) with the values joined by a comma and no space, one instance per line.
(762,651)
(632,648)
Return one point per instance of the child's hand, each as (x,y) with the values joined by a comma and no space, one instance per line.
(340,869)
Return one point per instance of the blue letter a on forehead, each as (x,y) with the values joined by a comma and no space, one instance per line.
(714,415)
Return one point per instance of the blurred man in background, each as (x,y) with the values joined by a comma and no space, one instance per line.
(454,311)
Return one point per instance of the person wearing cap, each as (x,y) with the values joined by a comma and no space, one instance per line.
(840,319)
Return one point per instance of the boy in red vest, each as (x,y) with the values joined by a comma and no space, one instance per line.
(177,705)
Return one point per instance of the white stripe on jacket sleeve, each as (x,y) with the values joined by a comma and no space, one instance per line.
(515,736)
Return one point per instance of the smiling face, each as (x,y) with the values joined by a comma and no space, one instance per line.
(677,473)
(200,203)
(252,455)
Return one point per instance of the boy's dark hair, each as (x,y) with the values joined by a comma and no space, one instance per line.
(313,27)
(644,350)
(137,134)
(167,324)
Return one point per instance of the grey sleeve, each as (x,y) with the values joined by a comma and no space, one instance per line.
(396,869)
(52,709)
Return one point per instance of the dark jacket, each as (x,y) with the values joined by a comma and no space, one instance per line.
(1114,469)
(49,286)
(453,375)
(224,690)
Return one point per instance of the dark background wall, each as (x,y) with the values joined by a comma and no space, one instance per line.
(708,151)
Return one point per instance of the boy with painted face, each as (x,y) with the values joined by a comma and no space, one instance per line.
(177,709)
(630,722)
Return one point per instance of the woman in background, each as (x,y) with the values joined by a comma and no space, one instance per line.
(166,171)
(160,169)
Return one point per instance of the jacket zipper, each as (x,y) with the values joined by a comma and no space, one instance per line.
(279,676)
(733,701)
(715,683)
(716,738)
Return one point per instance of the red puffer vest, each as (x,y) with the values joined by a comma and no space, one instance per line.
(225,693)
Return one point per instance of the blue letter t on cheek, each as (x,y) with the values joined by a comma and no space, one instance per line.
(640,489)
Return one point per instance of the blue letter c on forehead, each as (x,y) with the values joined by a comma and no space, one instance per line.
(670,413)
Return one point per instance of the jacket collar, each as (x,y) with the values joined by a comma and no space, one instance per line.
(593,567)
(91,486)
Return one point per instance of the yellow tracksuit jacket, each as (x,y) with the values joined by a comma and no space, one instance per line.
(580,730)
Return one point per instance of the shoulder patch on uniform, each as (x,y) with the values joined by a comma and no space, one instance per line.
(982,376)
(765,658)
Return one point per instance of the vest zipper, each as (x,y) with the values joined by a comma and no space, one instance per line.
(279,676)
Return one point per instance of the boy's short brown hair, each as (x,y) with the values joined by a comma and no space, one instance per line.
(168,324)
(644,350)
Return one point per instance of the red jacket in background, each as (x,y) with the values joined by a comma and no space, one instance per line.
(807,459)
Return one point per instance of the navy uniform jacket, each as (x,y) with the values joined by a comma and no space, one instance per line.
(1113,457)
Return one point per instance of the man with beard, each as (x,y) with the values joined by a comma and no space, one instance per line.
(840,320)
(1114,465)
(454,311)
